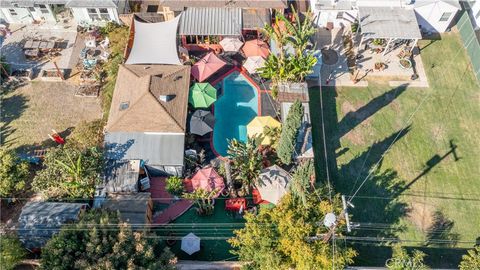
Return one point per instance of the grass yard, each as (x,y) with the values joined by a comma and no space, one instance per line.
(426,189)
(214,230)
(30,112)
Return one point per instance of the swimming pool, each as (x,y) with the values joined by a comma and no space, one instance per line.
(235,108)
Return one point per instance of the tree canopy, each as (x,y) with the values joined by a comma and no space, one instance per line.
(69,172)
(13,173)
(99,241)
(286,145)
(246,161)
(402,260)
(471,260)
(11,252)
(279,238)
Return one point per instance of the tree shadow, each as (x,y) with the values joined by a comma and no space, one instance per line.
(117,151)
(353,119)
(12,108)
(440,233)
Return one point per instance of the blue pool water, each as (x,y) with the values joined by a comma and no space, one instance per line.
(235,108)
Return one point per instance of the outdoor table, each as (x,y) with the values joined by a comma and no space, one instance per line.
(235,204)
(32,52)
(28,44)
(35,44)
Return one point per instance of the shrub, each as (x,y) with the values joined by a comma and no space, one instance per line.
(11,252)
(471,260)
(175,185)
(286,145)
(87,134)
(13,173)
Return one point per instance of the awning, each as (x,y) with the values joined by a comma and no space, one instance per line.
(211,22)
(388,22)
(155,43)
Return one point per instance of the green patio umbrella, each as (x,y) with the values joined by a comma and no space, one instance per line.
(202,95)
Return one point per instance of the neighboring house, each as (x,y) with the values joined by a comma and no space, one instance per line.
(475,9)
(82,11)
(147,119)
(39,221)
(432,15)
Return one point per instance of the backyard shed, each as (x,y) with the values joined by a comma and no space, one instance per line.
(121,176)
(134,209)
(154,43)
(39,221)
(390,23)
(149,123)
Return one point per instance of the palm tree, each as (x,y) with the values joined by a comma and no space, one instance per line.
(275,32)
(203,199)
(299,31)
(300,185)
(246,161)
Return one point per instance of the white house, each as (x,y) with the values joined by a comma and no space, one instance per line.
(82,11)
(475,7)
(432,15)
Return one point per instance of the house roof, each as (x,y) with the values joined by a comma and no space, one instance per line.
(255,18)
(388,22)
(182,4)
(121,176)
(90,4)
(212,21)
(156,149)
(154,43)
(453,3)
(150,98)
(38,221)
(328,4)
(133,208)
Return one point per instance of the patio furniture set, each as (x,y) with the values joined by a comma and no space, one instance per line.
(36,49)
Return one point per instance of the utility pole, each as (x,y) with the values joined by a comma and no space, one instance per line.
(345,212)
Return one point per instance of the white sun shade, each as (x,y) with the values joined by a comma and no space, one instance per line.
(155,43)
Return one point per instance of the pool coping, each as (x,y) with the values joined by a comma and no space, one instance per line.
(259,101)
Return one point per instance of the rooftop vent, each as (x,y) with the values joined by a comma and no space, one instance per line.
(177,78)
(124,105)
(166,98)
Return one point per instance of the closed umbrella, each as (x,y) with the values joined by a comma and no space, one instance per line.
(201,122)
(190,243)
(231,44)
(258,124)
(273,183)
(202,95)
(206,66)
(256,47)
(253,63)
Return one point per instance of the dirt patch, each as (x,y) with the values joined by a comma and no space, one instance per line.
(421,215)
(356,137)
(438,133)
(347,107)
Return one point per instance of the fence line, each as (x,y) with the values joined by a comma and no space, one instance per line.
(470,42)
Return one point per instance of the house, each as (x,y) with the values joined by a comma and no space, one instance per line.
(39,221)
(147,119)
(134,209)
(52,11)
(432,15)
(474,11)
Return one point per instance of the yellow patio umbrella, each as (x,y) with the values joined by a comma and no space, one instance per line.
(258,124)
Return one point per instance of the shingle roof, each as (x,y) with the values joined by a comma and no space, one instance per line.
(182,4)
(150,98)
(38,221)
(211,21)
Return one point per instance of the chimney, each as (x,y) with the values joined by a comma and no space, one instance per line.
(166,98)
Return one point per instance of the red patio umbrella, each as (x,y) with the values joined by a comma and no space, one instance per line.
(208,179)
(206,66)
(256,47)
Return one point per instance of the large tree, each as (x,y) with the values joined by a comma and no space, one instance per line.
(11,252)
(301,184)
(471,260)
(246,161)
(13,173)
(282,237)
(99,241)
(286,145)
(69,172)
(402,260)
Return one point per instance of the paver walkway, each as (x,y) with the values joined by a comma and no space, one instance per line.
(160,194)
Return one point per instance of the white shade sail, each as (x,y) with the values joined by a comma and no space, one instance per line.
(155,43)
(190,243)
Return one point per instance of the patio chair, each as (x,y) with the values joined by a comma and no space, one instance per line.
(104,44)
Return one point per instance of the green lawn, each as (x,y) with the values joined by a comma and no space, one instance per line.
(214,230)
(419,192)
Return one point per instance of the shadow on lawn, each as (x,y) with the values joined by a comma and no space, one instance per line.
(12,108)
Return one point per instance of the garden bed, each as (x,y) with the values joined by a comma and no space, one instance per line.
(52,75)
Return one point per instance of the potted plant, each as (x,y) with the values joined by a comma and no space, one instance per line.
(174,186)
(203,199)
(405,63)
(380,66)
